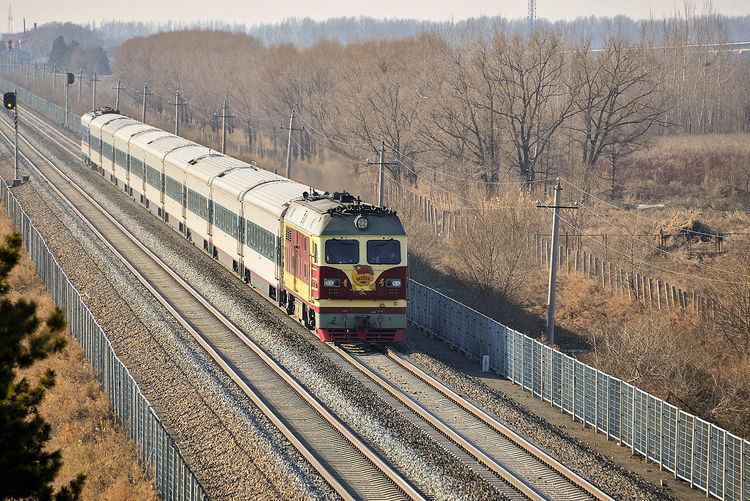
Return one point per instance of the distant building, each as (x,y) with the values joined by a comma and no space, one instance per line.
(17,38)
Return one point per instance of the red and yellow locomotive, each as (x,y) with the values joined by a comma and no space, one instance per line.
(345,264)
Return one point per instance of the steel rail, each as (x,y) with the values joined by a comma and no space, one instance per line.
(494,462)
(221,360)
(495,424)
(509,476)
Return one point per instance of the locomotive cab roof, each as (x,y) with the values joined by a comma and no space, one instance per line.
(339,213)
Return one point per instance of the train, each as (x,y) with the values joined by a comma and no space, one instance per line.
(336,264)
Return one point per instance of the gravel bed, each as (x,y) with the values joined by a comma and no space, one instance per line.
(435,472)
(233,449)
(598,469)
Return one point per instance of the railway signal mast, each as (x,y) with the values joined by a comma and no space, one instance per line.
(69,79)
(9,103)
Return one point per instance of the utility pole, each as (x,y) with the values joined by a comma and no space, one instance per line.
(117,94)
(33,85)
(381,163)
(289,144)
(550,330)
(224,116)
(145,92)
(67,107)
(177,103)
(80,84)
(93,91)
(54,79)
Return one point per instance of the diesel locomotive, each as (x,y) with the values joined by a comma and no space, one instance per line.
(336,264)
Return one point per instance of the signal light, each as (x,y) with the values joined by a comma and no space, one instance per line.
(9,100)
(71,78)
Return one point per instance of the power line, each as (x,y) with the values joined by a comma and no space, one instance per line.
(648,244)
(636,214)
(655,266)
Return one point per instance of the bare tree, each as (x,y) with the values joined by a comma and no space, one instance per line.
(464,126)
(617,99)
(534,100)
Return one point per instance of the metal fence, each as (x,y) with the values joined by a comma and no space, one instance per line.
(706,456)
(157,452)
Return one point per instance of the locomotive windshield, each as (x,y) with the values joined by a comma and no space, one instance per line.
(383,251)
(342,252)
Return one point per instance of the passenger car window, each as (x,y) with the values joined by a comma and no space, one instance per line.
(383,251)
(342,252)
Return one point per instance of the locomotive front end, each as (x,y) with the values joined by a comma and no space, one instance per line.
(358,272)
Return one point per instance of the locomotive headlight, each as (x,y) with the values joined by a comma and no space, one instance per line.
(394,283)
(361,222)
(331,282)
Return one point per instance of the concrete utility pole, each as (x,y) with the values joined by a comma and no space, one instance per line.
(224,116)
(80,84)
(94,79)
(54,79)
(177,103)
(67,107)
(289,144)
(145,92)
(550,330)
(381,163)
(117,94)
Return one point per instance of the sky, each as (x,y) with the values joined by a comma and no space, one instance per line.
(255,12)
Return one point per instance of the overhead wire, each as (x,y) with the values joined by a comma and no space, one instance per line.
(463,178)
(651,264)
(639,216)
(658,249)
(645,242)
(479,205)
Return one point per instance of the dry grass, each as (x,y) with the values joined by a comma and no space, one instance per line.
(83,424)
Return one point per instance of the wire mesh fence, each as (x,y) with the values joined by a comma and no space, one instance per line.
(157,452)
(706,456)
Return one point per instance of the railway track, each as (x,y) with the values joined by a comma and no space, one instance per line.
(349,466)
(500,456)
(491,445)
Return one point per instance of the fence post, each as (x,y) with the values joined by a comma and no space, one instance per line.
(585,263)
(658,294)
(637,284)
(650,292)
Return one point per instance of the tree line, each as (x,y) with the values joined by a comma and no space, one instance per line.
(499,109)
